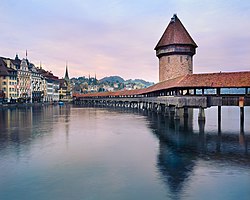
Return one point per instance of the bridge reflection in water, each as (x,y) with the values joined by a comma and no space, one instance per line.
(181,147)
(183,144)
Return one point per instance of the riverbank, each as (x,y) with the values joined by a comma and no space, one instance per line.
(23,105)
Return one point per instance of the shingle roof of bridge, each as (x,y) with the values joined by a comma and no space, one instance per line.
(210,80)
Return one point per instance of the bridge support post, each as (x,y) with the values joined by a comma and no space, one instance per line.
(162,106)
(201,126)
(201,116)
(140,105)
(166,112)
(241,105)
(159,108)
(185,113)
(172,111)
(219,119)
(242,119)
(177,113)
(151,106)
(156,107)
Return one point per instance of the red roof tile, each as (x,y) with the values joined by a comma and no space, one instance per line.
(175,33)
(210,80)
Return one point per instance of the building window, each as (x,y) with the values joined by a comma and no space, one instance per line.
(168,59)
(181,59)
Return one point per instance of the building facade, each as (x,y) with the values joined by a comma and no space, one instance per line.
(65,90)
(37,84)
(8,81)
(23,82)
(49,86)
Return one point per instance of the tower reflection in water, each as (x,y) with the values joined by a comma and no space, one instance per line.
(181,148)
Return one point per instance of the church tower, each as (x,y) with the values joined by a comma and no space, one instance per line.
(66,77)
(67,83)
(175,51)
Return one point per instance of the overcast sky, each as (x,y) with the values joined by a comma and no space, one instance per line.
(117,37)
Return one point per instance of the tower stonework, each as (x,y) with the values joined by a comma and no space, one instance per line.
(175,51)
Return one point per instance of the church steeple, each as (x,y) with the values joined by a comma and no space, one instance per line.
(66,77)
(95,81)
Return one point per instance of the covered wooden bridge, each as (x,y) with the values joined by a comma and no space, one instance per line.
(190,91)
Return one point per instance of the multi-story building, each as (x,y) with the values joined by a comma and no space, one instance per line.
(53,89)
(49,86)
(37,81)
(8,80)
(62,89)
(24,82)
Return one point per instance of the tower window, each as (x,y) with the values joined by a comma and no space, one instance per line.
(168,59)
(181,59)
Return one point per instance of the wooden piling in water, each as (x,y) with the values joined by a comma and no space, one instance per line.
(219,119)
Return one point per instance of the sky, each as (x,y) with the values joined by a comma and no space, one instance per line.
(117,37)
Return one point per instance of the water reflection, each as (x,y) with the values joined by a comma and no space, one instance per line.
(180,148)
(182,145)
(19,127)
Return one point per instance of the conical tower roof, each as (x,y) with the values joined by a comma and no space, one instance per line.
(175,33)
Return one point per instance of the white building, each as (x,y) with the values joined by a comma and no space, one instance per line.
(37,87)
(50,86)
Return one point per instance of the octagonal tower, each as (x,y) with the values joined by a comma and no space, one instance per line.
(175,51)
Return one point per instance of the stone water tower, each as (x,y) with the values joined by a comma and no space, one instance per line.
(175,51)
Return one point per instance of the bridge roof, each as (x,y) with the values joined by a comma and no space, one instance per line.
(209,80)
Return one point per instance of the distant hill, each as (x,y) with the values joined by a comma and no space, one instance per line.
(118,79)
(112,79)
(110,83)
(140,81)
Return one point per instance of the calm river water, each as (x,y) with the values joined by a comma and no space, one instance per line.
(71,153)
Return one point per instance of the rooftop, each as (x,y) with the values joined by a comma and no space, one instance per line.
(175,33)
(208,80)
